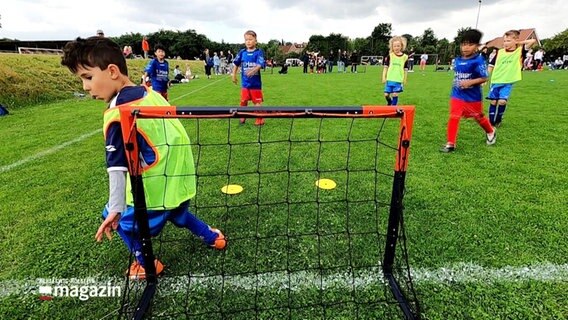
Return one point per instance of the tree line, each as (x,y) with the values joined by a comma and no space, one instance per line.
(190,45)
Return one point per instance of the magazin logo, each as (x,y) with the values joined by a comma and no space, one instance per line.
(82,291)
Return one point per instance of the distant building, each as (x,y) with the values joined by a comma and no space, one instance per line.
(525,35)
(293,48)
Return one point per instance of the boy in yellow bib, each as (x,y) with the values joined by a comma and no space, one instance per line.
(100,65)
(506,69)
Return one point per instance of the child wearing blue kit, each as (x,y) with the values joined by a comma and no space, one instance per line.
(158,70)
(100,65)
(250,60)
(466,97)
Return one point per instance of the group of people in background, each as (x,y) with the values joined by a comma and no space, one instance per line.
(218,63)
(318,63)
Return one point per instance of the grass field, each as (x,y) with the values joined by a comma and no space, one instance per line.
(485,225)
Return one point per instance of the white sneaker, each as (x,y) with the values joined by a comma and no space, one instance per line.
(492,137)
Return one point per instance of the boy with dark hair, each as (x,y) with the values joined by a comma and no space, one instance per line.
(505,69)
(466,97)
(158,70)
(100,65)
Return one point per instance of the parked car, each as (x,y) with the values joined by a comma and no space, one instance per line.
(294,62)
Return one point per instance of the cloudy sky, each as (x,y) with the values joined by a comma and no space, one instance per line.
(291,20)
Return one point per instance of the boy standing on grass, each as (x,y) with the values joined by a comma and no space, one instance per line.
(395,70)
(158,70)
(100,65)
(506,68)
(466,97)
(250,60)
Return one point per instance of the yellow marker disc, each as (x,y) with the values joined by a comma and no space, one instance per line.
(232,189)
(327,184)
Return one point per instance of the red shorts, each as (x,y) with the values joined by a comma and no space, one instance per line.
(460,108)
(254,95)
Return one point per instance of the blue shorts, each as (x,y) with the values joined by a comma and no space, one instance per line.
(500,91)
(393,87)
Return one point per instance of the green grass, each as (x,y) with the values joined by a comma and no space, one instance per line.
(497,206)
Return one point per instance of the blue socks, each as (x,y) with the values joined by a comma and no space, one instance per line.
(394,101)
(500,112)
(389,100)
(492,113)
(496,114)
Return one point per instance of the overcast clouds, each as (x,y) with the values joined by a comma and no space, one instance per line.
(291,20)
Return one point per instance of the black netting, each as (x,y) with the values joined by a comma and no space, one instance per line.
(295,251)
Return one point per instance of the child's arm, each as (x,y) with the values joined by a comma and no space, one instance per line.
(464,84)
(385,68)
(527,43)
(251,72)
(234,75)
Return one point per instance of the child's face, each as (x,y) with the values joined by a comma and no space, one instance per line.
(396,47)
(509,42)
(98,83)
(250,41)
(468,49)
(160,54)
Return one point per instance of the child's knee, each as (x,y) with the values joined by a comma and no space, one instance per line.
(502,102)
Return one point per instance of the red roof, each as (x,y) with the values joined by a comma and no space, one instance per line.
(525,34)
(296,47)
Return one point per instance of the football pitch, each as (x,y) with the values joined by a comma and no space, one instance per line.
(485,225)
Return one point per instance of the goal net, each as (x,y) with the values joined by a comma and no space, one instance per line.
(317,231)
(30,50)
(372,60)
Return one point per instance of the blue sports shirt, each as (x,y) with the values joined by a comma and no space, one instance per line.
(158,73)
(248,60)
(468,69)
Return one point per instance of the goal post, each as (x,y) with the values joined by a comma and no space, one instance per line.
(312,251)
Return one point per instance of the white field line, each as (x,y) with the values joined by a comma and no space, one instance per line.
(47,152)
(463,273)
(198,89)
(54,149)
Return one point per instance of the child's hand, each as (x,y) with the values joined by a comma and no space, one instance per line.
(464,84)
(250,73)
(111,221)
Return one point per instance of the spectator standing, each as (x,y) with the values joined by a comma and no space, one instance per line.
(145,47)
(354,61)
(330,60)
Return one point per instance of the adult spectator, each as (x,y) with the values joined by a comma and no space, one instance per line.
(145,46)
(100,33)
(538,59)
(207,62)
(354,61)
(423,60)
(330,60)
(558,63)
(411,54)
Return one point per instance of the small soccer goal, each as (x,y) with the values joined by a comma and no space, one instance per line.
(372,60)
(30,50)
(311,204)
